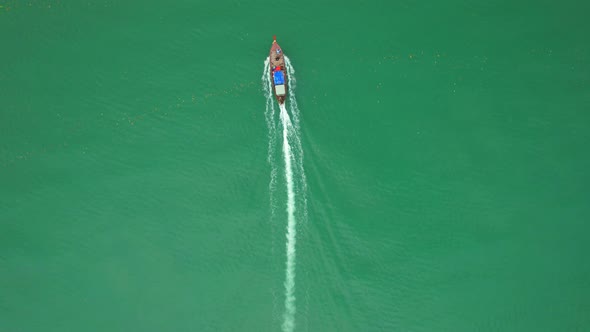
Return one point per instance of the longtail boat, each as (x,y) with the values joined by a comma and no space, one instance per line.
(278,71)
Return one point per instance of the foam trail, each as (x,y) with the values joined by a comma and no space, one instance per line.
(296,140)
(294,178)
(289,317)
(292,82)
(269,115)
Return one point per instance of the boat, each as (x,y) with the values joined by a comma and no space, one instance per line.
(278,72)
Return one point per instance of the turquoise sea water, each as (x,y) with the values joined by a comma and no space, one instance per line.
(443,148)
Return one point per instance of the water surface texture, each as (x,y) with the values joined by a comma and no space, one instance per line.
(439,162)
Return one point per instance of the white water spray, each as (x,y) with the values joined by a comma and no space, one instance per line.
(292,85)
(296,140)
(294,178)
(289,318)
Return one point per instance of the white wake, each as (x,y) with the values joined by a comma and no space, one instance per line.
(294,109)
(294,179)
(289,322)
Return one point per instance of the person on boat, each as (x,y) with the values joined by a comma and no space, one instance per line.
(277,68)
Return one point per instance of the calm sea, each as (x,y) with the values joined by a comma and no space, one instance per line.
(441,181)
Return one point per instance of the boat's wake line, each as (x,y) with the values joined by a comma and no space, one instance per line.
(292,80)
(294,180)
(289,322)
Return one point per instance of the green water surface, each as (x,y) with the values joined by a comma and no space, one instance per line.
(445,152)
